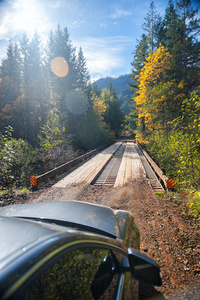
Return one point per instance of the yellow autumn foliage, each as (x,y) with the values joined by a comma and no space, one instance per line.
(157,92)
(154,71)
(98,106)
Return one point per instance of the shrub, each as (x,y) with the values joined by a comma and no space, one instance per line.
(178,156)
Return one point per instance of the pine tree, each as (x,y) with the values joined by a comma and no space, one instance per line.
(10,86)
(60,45)
(151,26)
(83,74)
(190,46)
(181,38)
(33,100)
(140,55)
(95,89)
(11,68)
(113,115)
(24,50)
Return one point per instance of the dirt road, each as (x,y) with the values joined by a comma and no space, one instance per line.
(165,234)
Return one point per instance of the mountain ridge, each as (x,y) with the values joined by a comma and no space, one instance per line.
(121,84)
(122,88)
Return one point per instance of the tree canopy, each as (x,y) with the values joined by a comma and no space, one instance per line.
(165,90)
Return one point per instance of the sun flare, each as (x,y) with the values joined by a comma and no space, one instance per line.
(59,66)
(24,16)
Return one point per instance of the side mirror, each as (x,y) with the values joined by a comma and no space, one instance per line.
(144,268)
(103,277)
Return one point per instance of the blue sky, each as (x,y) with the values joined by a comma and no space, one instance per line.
(105,29)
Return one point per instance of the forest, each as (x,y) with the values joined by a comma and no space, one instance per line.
(166,97)
(166,94)
(50,112)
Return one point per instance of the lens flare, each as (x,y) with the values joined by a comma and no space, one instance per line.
(77,102)
(59,66)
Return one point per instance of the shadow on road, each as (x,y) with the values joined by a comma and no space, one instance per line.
(147,291)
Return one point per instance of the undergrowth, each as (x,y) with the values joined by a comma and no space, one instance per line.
(178,155)
(189,202)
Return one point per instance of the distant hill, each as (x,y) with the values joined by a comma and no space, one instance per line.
(122,89)
(120,83)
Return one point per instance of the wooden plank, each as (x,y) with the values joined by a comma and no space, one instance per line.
(158,171)
(120,176)
(124,168)
(131,165)
(89,170)
(65,167)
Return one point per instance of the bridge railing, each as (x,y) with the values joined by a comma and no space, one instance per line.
(169,183)
(36,181)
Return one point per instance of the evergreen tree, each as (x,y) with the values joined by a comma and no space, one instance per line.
(151,26)
(35,58)
(140,55)
(95,89)
(113,115)
(33,101)
(190,45)
(83,74)
(11,68)
(24,50)
(60,45)
(181,32)
(10,89)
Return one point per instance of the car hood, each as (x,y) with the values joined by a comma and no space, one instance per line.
(95,216)
(23,225)
(17,236)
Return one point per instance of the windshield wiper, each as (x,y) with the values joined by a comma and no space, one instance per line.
(77,226)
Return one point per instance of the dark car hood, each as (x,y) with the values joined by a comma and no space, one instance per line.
(94,216)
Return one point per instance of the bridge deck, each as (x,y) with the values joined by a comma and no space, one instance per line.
(90,169)
(131,165)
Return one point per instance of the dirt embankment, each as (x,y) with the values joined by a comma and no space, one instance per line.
(166,235)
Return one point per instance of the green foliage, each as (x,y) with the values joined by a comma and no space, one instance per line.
(83,74)
(55,146)
(188,201)
(19,160)
(51,133)
(150,26)
(140,54)
(92,134)
(191,115)
(34,106)
(113,115)
(194,205)
(179,156)
(131,122)
(16,157)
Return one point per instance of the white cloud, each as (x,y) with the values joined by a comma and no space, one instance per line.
(119,13)
(104,55)
(54,4)
(76,24)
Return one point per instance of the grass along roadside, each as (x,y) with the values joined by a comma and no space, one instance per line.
(188,201)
